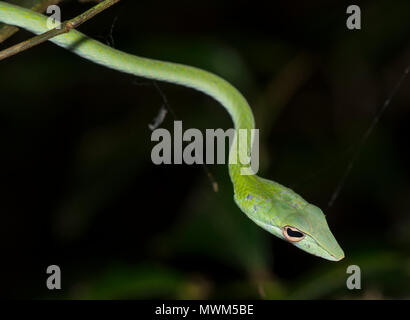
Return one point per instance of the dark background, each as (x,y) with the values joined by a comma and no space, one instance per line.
(79,189)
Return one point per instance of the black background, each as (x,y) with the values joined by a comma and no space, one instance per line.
(80,190)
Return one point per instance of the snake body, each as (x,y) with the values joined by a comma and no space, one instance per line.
(275,208)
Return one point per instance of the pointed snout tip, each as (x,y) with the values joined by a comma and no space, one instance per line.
(339,256)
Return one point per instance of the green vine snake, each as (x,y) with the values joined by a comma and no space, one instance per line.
(275,208)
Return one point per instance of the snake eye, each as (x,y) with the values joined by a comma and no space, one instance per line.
(292,234)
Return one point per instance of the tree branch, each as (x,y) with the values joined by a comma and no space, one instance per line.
(63,28)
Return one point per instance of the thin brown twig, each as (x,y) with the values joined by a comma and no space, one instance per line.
(63,28)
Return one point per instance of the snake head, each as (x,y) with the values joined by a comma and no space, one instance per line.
(307,229)
(288,216)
